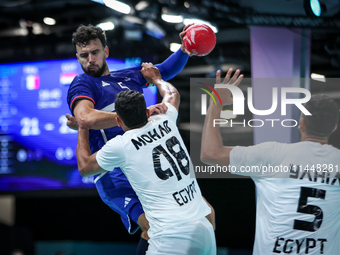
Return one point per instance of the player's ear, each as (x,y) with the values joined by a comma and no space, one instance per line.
(148,113)
(107,51)
(119,121)
(302,125)
(77,56)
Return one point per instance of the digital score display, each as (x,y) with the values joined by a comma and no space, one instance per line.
(38,150)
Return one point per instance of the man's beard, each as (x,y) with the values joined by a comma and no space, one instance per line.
(97,73)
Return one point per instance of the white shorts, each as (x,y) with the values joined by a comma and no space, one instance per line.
(194,238)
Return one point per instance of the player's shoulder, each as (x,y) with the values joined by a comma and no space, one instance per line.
(116,141)
(171,110)
(277,148)
(268,145)
(126,71)
(170,115)
(82,78)
(156,119)
(296,148)
(310,145)
(264,149)
(171,107)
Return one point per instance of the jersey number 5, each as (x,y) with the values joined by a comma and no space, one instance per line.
(305,193)
(180,156)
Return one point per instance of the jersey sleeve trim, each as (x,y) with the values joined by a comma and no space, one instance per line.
(81,97)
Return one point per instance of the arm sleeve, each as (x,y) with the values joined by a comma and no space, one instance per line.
(111,155)
(80,89)
(253,160)
(173,65)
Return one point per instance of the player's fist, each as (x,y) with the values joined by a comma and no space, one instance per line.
(151,73)
(181,35)
(72,122)
(158,109)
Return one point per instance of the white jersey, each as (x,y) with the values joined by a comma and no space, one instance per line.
(298,196)
(157,165)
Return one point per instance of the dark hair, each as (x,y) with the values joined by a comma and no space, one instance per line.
(324,118)
(84,34)
(131,108)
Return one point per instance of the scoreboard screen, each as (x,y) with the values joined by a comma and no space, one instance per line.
(38,150)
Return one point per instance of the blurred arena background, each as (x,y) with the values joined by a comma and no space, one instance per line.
(70,217)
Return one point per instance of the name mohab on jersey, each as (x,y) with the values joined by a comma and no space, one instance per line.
(154,135)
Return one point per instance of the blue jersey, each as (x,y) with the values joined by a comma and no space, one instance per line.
(102,91)
(113,187)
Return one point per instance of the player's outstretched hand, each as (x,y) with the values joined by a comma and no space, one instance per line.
(181,35)
(72,122)
(235,80)
(158,109)
(151,73)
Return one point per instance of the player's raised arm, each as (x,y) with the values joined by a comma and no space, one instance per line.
(212,149)
(175,63)
(167,90)
(87,163)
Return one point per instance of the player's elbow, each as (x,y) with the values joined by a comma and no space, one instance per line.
(174,95)
(216,156)
(83,172)
(82,165)
(207,157)
(210,156)
(85,122)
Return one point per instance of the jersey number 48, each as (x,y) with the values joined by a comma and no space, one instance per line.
(179,155)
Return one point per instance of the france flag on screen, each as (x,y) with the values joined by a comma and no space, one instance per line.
(32,82)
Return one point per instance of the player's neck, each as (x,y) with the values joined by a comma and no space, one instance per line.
(316,139)
(125,128)
(106,73)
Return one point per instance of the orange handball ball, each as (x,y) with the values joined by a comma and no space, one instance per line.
(199,39)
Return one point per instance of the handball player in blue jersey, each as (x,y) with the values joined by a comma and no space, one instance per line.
(91,98)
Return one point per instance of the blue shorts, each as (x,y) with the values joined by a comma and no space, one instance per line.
(116,191)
